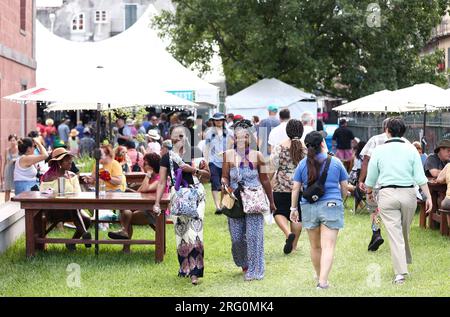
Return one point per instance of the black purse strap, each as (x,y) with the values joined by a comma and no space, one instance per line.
(324,175)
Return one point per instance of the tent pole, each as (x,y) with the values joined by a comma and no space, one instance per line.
(424,141)
(111,139)
(97,173)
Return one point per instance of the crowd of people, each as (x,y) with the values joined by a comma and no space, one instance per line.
(279,165)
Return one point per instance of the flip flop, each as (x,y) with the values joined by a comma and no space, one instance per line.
(288,246)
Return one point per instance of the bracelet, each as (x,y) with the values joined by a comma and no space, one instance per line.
(369,193)
(294,209)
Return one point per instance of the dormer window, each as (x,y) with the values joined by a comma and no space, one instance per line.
(100,16)
(78,22)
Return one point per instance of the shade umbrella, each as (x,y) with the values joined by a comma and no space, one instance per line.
(109,94)
(430,97)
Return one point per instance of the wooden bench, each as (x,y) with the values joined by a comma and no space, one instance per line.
(437,218)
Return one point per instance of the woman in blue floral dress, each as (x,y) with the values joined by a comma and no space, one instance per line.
(247,166)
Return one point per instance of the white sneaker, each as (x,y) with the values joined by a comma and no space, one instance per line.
(399,279)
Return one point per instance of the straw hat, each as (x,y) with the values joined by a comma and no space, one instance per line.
(73,133)
(49,121)
(153,134)
(58,154)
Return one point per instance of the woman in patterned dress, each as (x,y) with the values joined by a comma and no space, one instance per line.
(242,164)
(284,160)
(188,231)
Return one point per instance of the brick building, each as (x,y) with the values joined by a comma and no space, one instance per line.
(17,67)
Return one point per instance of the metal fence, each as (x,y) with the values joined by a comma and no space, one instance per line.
(437,126)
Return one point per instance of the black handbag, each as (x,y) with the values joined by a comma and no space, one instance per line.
(237,211)
(313,193)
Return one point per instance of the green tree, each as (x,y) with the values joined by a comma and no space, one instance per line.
(348,48)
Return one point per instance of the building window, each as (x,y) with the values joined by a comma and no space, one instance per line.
(78,22)
(130,15)
(23,14)
(100,16)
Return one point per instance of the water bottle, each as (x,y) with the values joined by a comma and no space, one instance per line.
(102,188)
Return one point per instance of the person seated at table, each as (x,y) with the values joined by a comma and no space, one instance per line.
(444,178)
(140,217)
(419,149)
(59,166)
(436,162)
(123,159)
(110,171)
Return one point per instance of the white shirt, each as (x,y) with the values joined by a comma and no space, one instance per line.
(278,134)
(375,141)
(306,129)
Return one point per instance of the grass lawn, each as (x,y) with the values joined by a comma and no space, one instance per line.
(356,272)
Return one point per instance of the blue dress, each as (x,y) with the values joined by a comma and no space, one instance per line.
(247,233)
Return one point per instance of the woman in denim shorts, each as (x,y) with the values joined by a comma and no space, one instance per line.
(324,218)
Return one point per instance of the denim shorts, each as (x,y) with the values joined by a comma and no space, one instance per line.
(329,213)
(216,176)
(23,186)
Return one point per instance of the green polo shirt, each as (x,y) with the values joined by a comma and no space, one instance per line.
(395,163)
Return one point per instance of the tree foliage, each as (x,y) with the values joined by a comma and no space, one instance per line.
(347,48)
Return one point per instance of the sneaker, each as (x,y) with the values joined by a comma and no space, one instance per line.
(399,279)
(218,211)
(376,241)
(87,236)
(288,246)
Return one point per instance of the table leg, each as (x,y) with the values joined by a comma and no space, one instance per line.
(39,227)
(160,237)
(444,225)
(30,232)
(422,215)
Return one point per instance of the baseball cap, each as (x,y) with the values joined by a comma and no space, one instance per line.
(313,139)
(272,108)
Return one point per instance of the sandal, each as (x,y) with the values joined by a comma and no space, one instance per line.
(118,235)
(288,246)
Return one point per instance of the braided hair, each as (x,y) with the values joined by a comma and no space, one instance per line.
(294,130)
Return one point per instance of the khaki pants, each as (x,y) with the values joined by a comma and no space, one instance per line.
(397,208)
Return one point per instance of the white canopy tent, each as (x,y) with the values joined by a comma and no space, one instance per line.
(136,56)
(254,100)
(385,101)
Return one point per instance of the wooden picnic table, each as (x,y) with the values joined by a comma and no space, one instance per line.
(35,203)
(134,179)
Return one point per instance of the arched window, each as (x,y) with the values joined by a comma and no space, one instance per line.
(78,22)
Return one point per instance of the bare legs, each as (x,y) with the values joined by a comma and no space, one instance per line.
(295,228)
(216,197)
(323,243)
